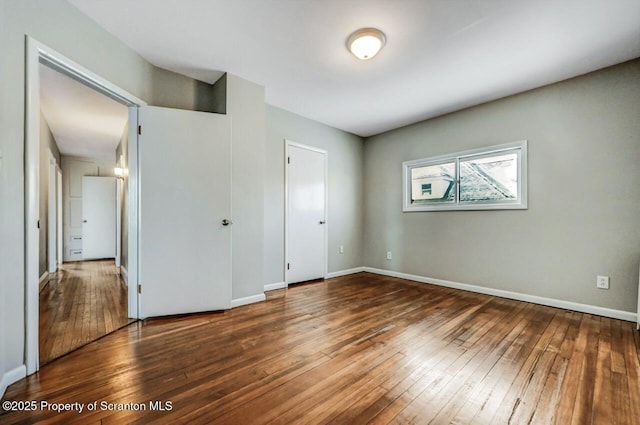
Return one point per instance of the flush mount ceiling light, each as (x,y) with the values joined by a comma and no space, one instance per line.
(366,43)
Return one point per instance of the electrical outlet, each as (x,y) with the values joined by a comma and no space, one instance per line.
(388,255)
(602,282)
(341,249)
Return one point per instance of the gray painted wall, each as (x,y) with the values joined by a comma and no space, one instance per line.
(57,24)
(345,190)
(171,90)
(245,104)
(584,148)
(47,147)
(219,93)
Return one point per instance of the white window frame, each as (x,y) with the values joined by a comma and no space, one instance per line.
(520,203)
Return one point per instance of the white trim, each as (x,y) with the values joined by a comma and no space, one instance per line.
(638,310)
(52,216)
(345,272)
(76,71)
(43,280)
(551,302)
(11,376)
(59,236)
(289,143)
(124,273)
(37,52)
(274,286)
(44,276)
(118,220)
(286,210)
(31,197)
(248,300)
(133,215)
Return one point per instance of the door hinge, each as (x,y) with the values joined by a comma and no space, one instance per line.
(139,129)
(288,266)
(288,160)
(38,224)
(139,288)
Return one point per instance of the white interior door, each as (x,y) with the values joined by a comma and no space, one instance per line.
(98,217)
(306,213)
(185,195)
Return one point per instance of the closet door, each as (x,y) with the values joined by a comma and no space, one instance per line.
(98,217)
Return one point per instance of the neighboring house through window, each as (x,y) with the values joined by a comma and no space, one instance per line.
(487,178)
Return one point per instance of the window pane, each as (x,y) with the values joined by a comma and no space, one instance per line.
(433,183)
(489,178)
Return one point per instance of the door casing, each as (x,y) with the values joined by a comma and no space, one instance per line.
(52,213)
(38,52)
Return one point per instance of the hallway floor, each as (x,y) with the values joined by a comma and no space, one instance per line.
(82,302)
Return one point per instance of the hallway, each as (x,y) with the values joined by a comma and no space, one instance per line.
(82,302)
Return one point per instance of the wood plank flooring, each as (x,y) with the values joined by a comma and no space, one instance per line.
(82,302)
(352,350)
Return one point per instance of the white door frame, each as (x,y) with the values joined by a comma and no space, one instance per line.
(118,220)
(36,53)
(52,218)
(59,236)
(288,144)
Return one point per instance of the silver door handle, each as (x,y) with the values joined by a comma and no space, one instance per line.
(226,222)
(322,221)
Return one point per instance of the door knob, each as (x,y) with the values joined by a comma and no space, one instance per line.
(322,221)
(226,222)
(84,221)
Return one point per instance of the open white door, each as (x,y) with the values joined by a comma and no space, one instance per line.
(306,213)
(98,217)
(185,199)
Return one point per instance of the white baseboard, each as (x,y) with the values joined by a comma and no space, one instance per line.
(248,300)
(551,302)
(124,273)
(345,272)
(12,376)
(274,286)
(43,280)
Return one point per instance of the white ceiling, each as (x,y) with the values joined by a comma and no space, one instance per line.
(83,122)
(440,56)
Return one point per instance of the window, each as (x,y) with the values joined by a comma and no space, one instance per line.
(480,179)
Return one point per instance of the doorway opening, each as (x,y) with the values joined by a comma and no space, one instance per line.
(57,265)
(83,297)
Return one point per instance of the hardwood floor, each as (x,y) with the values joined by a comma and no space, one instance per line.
(353,350)
(82,302)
